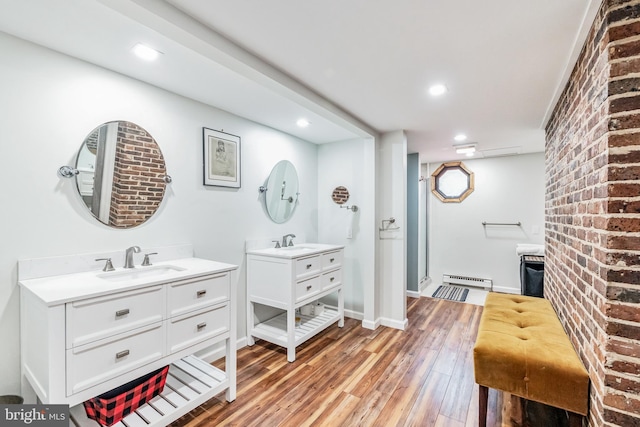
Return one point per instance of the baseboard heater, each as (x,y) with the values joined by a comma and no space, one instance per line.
(476,282)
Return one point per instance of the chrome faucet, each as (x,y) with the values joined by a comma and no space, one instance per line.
(285,238)
(128,256)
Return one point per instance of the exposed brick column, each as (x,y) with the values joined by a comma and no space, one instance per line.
(592,268)
(138,184)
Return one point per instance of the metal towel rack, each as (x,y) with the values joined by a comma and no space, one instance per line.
(515,224)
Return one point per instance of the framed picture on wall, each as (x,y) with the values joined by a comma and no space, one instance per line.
(221,158)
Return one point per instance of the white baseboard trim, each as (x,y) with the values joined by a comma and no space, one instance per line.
(353,314)
(426,281)
(506,290)
(368,324)
(383,321)
(397,324)
(413,294)
(213,353)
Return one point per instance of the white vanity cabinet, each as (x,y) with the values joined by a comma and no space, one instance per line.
(288,278)
(82,335)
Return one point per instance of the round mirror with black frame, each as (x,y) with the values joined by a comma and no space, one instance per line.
(452,182)
(281,192)
(121,174)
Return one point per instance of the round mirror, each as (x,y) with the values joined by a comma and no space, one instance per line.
(121,174)
(452,182)
(281,194)
(340,195)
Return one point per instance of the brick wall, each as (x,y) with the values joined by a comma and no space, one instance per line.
(592,210)
(138,184)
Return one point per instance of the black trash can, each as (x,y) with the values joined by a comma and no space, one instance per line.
(532,275)
(10,399)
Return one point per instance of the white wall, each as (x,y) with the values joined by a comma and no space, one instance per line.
(349,164)
(392,202)
(507,189)
(50,102)
(424,189)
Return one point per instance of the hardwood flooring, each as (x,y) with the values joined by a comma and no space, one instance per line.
(353,376)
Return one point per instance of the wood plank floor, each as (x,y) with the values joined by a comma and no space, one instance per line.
(353,376)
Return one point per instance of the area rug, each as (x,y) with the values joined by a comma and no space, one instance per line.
(452,293)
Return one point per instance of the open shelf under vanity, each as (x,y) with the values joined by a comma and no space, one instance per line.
(190,383)
(274,330)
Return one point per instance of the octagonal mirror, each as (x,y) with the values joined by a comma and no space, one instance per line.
(452,182)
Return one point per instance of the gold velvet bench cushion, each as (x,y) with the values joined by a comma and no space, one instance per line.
(522,349)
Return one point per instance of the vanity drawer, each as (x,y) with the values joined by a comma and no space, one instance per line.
(194,294)
(308,266)
(331,260)
(192,328)
(307,288)
(331,279)
(100,361)
(97,318)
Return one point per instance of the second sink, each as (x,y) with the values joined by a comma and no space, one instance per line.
(139,273)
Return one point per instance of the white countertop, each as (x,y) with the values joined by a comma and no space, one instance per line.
(55,290)
(296,251)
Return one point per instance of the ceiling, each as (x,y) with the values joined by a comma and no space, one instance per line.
(352,68)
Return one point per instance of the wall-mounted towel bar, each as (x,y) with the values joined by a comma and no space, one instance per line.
(515,224)
(386,225)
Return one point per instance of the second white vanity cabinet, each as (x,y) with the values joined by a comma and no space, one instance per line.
(288,278)
(86,333)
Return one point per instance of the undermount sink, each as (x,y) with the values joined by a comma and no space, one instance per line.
(296,250)
(302,247)
(139,273)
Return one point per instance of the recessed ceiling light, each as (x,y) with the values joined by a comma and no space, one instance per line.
(303,123)
(437,90)
(460,137)
(145,52)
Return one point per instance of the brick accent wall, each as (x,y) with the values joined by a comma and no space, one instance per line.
(592,209)
(138,184)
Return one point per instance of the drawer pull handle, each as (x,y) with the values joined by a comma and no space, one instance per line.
(332,279)
(309,266)
(122,354)
(202,325)
(332,259)
(200,294)
(309,287)
(121,313)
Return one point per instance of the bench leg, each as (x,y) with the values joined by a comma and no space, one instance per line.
(482,413)
(575,420)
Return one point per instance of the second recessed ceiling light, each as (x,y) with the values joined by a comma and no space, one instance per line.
(437,90)
(145,52)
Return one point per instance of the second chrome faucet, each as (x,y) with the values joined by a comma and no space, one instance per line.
(128,256)
(288,237)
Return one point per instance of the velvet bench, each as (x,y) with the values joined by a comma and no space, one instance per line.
(522,349)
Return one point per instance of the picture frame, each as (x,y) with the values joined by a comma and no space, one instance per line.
(221,158)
